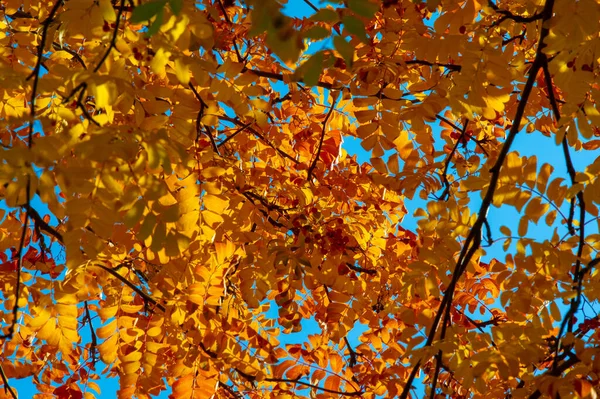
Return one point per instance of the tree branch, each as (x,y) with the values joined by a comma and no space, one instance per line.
(260,136)
(75,55)
(473,240)
(509,15)
(147,298)
(241,129)
(306,384)
(318,154)
(94,340)
(39,221)
(7,387)
(113,40)
(199,130)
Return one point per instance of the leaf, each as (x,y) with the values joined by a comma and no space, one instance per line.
(355,27)
(363,7)
(156,24)
(176,6)
(145,11)
(584,388)
(345,49)
(182,71)
(317,33)
(325,15)
(313,68)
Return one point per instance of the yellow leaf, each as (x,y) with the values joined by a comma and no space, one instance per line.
(182,71)
(107,330)
(224,250)
(108,349)
(107,11)
(104,94)
(214,203)
(213,171)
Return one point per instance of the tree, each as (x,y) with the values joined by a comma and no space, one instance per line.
(178,202)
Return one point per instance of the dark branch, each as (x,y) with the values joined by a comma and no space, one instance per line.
(199,130)
(353,354)
(260,136)
(311,5)
(318,154)
(41,224)
(473,240)
(327,85)
(446,193)
(359,269)
(230,390)
(113,40)
(306,384)
(241,129)
(94,340)
(7,387)
(75,55)
(147,298)
(452,67)
(509,15)
(235,46)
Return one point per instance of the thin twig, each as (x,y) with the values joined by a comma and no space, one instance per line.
(241,129)
(318,154)
(509,15)
(235,46)
(75,55)
(327,85)
(353,354)
(260,136)
(323,389)
(488,232)
(359,269)
(147,298)
(452,67)
(199,130)
(41,224)
(478,142)
(311,5)
(113,40)
(94,340)
(7,387)
(230,390)
(446,193)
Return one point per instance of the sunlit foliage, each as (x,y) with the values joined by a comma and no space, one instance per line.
(178,205)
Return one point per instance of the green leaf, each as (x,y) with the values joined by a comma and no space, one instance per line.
(363,7)
(317,33)
(313,68)
(135,213)
(345,49)
(325,15)
(176,6)
(144,12)
(355,27)
(155,26)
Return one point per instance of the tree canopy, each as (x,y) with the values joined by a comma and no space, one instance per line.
(178,207)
